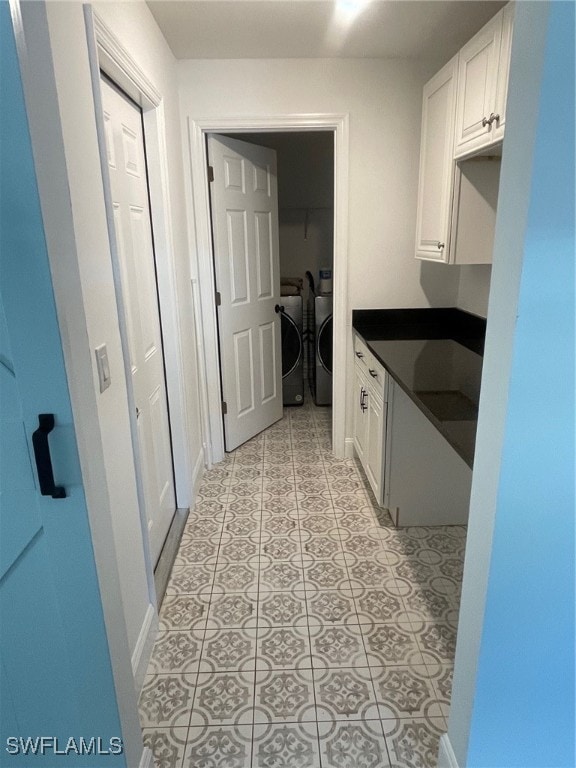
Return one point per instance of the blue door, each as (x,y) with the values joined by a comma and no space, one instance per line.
(57,701)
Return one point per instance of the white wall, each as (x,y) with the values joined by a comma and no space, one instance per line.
(473,288)
(383,98)
(306,203)
(300,252)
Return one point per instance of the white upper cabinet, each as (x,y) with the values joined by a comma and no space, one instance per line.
(463,117)
(436,165)
(482,85)
(504,69)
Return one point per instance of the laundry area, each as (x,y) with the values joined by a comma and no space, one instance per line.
(305,163)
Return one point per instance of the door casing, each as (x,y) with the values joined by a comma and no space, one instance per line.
(206,313)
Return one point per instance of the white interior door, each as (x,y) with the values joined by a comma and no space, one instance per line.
(244,201)
(128,182)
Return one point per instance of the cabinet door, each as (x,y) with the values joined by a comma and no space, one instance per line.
(360,416)
(503,71)
(477,77)
(436,165)
(374,466)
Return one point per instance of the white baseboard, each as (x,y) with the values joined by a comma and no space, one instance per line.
(197,475)
(446,756)
(349,452)
(143,649)
(147,759)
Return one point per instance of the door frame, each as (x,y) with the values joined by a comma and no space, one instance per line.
(106,53)
(206,312)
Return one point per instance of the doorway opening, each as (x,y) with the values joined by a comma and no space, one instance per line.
(335,126)
(303,237)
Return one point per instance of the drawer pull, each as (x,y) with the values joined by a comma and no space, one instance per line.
(373,373)
(359,354)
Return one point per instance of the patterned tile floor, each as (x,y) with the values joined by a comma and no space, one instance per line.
(299,628)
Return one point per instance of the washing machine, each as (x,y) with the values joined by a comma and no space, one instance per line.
(322,381)
(291,318)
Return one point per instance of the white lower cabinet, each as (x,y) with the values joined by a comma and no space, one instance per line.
(370,407)
(427,482)
(360,416)
(374,464)
(413,471)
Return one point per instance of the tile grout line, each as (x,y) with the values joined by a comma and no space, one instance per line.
(362,633)
(305,582)
(259,555)
(193,702)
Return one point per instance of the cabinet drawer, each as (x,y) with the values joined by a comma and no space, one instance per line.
(361,354)
(376,376)
(374,372)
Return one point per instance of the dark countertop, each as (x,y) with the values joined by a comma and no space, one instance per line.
(435,356)
(444,323)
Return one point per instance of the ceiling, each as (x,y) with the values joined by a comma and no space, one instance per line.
(255,29)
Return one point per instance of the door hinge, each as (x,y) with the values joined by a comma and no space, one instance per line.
(218,298)
(224,407)
(210,173)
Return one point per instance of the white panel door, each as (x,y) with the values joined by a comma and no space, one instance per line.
(128,182)
(244,200)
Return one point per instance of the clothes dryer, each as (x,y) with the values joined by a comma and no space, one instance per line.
(292,350)
(322,384)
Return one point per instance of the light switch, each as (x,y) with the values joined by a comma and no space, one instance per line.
(103,367)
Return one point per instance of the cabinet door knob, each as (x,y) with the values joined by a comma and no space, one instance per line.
(359,354)
(493,118)
(373,373)
(485,122)
(439,245)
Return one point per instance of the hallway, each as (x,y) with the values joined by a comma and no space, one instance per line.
(299,628)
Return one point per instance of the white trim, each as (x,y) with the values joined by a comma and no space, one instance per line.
(349,450)
(197,474)
(204,418)
(116,62)
(172,333)
(446,756)
(209,368)
(147,759)
(143,649)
